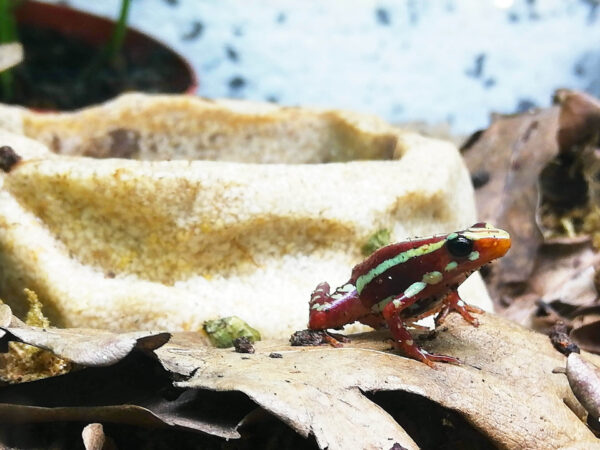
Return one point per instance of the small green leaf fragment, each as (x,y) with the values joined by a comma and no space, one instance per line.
(222,332)
(376,241)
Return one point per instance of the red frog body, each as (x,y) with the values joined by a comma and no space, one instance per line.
(406,281)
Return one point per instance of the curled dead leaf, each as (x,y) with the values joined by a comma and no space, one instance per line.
(512,152)
(325,392)
(586,336)
(560,287)
(579,118)
(134,390)
(87,347)
(584,379)
(316,390)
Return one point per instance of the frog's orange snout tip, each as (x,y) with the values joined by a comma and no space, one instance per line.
(496,245)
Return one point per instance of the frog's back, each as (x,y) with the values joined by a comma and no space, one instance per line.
(387,253)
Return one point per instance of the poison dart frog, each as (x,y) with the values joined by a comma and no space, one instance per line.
(406,281)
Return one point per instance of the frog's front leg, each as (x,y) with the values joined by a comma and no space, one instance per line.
(334,310)
(453,302)
(403,340)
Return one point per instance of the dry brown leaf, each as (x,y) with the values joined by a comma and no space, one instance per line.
(584,379)
(505,389)
(513,151)
(578,136)
(87,347)
(587,336)
(135,390)
(563,279)
(543,176)
(318,390)
(579,118)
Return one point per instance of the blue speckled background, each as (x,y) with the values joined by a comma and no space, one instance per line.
(451,61)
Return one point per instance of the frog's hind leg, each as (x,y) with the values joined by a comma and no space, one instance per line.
(453,302)
(403,340)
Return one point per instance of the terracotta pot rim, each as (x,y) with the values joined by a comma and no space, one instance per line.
(95,30)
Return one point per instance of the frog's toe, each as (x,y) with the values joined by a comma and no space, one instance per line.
(453,302)
(411,350)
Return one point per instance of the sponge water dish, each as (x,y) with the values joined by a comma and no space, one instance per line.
(163,212)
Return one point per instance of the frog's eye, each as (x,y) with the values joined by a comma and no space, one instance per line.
(460,246)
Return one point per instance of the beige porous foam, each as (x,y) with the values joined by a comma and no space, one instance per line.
(164,211)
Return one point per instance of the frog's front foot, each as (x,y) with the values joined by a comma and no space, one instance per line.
(405,344)
(403,340)
(334,339)
(453,302)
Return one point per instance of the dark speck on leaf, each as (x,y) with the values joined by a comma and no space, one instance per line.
(480,178)
(195,32)
(306,337)
(383,16)
(559,336)
(237,82)
(316,337)
(8,158)
(243,345)
(232,53)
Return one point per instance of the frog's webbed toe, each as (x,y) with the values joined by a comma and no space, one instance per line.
(453,302)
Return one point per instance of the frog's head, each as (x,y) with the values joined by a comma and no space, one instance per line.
(471,248)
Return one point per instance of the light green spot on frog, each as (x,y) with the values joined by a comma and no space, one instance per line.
(414,289)
(433,277)
(473,256)
(451,266)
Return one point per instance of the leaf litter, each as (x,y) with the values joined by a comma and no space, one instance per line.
(535,174)
(320,392)
(544,187)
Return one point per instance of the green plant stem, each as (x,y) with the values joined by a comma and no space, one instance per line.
(116,41)
(8,34)
(110,53)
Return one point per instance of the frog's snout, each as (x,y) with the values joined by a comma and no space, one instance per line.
(496,245)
